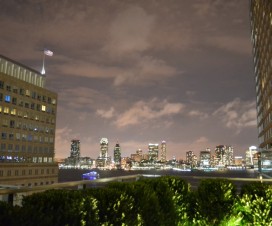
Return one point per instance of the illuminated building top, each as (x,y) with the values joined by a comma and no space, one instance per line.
(104,141)
(19,71)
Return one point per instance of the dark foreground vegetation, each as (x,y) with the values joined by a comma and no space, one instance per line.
(158,201)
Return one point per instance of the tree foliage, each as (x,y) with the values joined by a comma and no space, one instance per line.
(159,201)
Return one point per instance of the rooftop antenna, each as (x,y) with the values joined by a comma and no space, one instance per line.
(47,53)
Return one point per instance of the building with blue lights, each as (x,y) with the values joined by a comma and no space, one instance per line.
(27,126)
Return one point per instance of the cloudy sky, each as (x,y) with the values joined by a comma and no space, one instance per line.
(140,71)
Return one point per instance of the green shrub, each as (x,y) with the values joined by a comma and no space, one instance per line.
(254,188)
(180,196)
(212,201)
(254,209)
(8,214)
(115,206)
(56,207)
(150,201)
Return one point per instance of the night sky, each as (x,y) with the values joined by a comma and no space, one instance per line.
(140,71)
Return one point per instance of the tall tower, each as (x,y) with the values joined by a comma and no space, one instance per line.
(191,158)
(224,155)
(261,35)
(28,123)
(163,151)
(75,149)
(103,160)
(153,152)
(117,155)
(104,143)
(205,158)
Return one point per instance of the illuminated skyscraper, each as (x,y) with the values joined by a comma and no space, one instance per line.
(117,154)
(153,152)
(103,159)
(191,158)
(163,151)
(224,155)
(104,145)
(27,126)
(75,149)
(75,152)
(261,26)
(205,158)
(252,157)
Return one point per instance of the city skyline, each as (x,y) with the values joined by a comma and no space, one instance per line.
(141,72)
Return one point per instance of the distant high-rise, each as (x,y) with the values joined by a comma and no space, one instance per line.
(261,34)
(205,158)
(252,157)
(117,154)
(75,152)
(191,158)
(103,159)
(104,144)
(224,155)
(153,152)
(27,126)
(163,151)
(75,149)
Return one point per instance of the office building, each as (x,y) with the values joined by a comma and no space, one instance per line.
(27,126)
(153,152)
(252,157)
(238,161)
(103,160)
(74,158)
(261,35)
(163,151)
(224,155)
(205,158)
(191,158)
(117,155)
(75,149)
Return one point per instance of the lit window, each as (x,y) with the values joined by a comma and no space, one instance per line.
(27,92)
(13,111)
(7,98)
(43,108)
(6,110)
(0,109)
(18,136)
(24,136)
(54,101)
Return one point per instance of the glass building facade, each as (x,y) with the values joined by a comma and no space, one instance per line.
(261,34)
